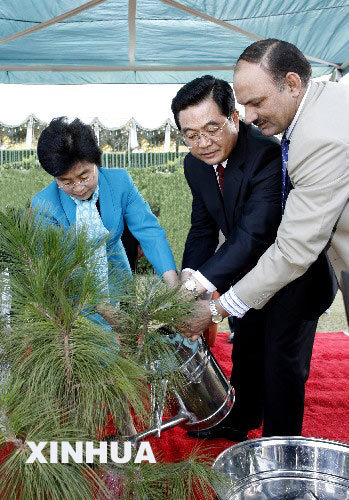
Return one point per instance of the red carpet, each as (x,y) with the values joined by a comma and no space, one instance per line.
(326,405)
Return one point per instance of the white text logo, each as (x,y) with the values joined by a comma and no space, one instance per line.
(85,452)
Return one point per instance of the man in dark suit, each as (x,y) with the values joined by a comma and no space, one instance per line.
(234,173)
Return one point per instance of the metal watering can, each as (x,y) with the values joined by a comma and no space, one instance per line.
(203,395)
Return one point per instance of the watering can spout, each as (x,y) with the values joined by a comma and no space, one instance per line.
(203,395)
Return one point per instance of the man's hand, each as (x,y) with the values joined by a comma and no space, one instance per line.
(200,319)
(185,275)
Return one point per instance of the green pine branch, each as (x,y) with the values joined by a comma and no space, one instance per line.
(67,375)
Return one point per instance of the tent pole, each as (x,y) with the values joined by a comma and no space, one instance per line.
(132,31)
(232,27)
(54,20)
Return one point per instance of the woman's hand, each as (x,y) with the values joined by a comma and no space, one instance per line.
(171,278)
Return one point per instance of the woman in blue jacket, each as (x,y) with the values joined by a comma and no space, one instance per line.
(97,199)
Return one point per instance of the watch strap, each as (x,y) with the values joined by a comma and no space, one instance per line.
(216,317)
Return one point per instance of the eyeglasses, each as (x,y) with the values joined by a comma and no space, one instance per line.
(211,132)
(70,186)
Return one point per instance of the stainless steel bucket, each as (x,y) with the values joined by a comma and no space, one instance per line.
(204,395)
(277,468)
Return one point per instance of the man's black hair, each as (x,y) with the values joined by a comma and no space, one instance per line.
(278,58)
(200,89)
(62,144)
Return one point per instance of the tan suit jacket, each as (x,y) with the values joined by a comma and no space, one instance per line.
(317,210)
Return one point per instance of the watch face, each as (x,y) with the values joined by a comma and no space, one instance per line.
(217,318)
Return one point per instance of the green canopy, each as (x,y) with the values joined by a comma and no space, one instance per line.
(159,41)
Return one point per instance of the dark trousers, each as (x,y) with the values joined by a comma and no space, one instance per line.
(272,351)
(271,360)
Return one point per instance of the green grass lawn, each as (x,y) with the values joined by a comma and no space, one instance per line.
(170,193)
(17,187)
(335,320)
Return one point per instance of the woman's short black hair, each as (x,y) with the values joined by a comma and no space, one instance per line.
(62,144)
(200,89)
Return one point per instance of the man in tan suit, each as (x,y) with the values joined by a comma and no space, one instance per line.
(272,81)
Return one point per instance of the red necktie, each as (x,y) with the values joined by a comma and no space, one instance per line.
(220,170)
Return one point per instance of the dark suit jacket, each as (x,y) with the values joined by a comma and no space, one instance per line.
(248,216)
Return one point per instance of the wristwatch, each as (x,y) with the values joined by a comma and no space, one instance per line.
(216,317)
(190,285)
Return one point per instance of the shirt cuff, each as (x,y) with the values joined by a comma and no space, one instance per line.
(232,304)
(204,282)
(188,270)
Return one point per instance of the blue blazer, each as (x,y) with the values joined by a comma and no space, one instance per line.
(118,198)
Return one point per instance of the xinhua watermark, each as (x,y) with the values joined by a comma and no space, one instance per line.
(88,452)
